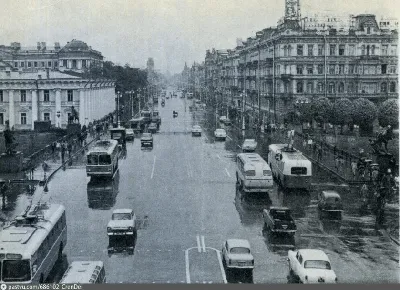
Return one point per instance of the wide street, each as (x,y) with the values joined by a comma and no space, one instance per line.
(184,195)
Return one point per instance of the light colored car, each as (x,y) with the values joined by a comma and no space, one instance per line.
(220,134)
(196,130)
(311,266)
(146,139)
(236,254)
(222,119)
(152,128)
(123,222)
(129,134)
(249,145)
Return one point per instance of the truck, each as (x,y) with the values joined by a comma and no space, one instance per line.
(279,220)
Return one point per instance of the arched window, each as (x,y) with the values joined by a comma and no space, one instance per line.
(383,87)
(331,88)
(392,87)
(285,50)
(320,87)
(367,49)
(373,50)
(351,88)
(299,87)
(363,50)
(368,30)
(289,50)
(310,87)
(341,87)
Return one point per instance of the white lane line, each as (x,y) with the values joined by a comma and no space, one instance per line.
(152,171)
(198,243)
(227,136)
(221,266)
(226,170)
(203,244)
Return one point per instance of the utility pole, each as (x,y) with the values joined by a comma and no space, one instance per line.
(118,116)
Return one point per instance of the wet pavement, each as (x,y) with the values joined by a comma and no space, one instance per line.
(184,194)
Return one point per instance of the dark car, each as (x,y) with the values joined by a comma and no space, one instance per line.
(279,220)
(153,128)
(330,204)
(146,140)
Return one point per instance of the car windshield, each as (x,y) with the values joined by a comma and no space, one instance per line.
(104,159)
(146,135)
(121,216)
(333,200)
(220,131)
(16,270)
(116,135)
(317,264)
(281,214)
(196,127)
(92,159)
(249,142)
(240,250)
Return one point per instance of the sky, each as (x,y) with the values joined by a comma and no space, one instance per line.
(171,31)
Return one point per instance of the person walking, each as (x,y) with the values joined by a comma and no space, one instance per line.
(69,147)
(63,148)
(319,152)
(354,168)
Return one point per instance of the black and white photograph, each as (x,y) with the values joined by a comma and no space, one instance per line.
(199,142)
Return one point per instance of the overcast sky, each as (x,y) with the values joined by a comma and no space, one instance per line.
(170,31)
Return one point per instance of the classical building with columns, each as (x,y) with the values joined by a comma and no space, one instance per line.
(49,95)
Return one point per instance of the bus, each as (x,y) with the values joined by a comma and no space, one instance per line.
(102,159)
(32,243)
(85,272)
(146,114)
(289,166)
(253,173)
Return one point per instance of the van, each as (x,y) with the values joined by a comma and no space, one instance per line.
(253,173)
(84,272)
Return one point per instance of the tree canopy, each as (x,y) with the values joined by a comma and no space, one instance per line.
(364,113)
(388,113)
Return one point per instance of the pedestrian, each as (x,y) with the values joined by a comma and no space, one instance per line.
(392,165)
(334,150)
(62,151)
(309,142)
(354,168)
(69,147)
(319,153)
(337,163)
(314,147)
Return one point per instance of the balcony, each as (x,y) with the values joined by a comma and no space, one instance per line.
(286,77)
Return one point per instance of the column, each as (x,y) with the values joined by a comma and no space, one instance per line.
(58,116)
(90,119)
(11,113)
(81,106)
(34,108)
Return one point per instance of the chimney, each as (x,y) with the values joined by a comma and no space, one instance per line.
(57,46)
(43,45)
(38,46)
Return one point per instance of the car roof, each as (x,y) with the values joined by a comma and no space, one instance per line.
(312,254)
(220,129)
(249,140)
(122,210)
(196,126)
(330,193)
(279,208)
(232,243)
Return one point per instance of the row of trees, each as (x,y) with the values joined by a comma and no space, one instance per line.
(361,112)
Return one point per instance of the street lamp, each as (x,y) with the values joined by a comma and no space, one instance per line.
(118,113)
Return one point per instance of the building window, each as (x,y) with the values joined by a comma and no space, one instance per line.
(383,87)
(29,64)
(373,50)
(22,64)
(332,49)
(299,49)
(363,50)
(320,49)
(1,119)
(310,88)
(46,96)
(383,68)
(35,64)
(84,61)
(352,49)
(299,87)
(299,69)
(341,49)
(385,49)
(368,49)
(310,69)
(351,69)
(55,63)
(368,30)
(394,50)
(320,87)
(74,63)
(43,64)
(341,87)
(320,69)
(392,69)
(341,69)
(49,64)
(310,49)
(65,63)
(350,88)
(46,116)
(331,69)
(23,118)
(289,50)
(70,95)
(392,87)
(1,96)
(23,96)
(331,88)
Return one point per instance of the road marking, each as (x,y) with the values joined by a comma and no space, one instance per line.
(198,243)
(221,266)
(226,170)
(227,136)
(203,243)
(152,171)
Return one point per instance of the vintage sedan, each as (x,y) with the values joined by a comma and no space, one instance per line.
(153,128)
(220,134)
(311,266)
(130,134)
(196,130)
(249,145)
(236,254)
(123,222)
(146,140)
(330,204)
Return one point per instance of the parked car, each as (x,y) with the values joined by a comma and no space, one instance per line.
(146,140)
(225,120)
(279,220)
(152,128)
(123,222)
(130,135)
(236,254)
(330,204)
(311,266)
(196,130)
(249,145)
(270,127)
(220,134)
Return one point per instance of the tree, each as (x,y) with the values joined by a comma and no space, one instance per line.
(388,113)
(364,113)
(342,111)
(321,110)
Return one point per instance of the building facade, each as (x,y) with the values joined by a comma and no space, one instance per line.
(52,96)
(293,63)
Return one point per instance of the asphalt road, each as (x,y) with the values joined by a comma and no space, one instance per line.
(184,195)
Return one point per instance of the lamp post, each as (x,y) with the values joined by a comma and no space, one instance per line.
(118,113)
